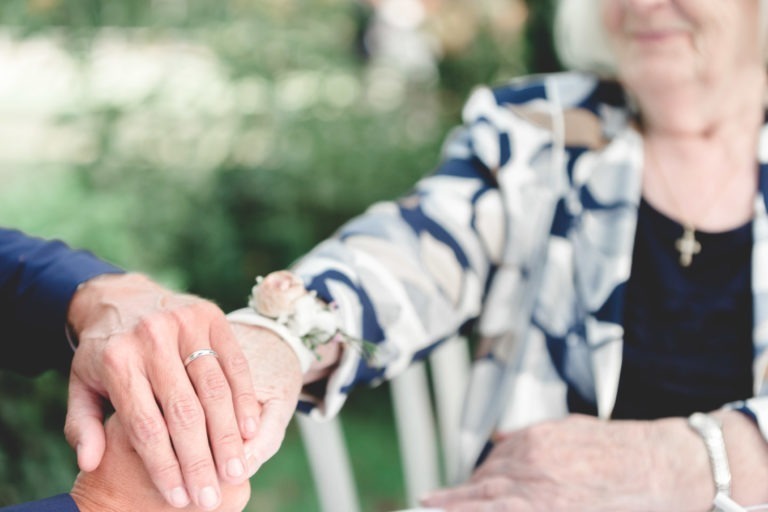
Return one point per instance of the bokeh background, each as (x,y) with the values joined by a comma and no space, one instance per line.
(205,143)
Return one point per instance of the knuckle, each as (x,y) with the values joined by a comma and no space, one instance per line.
(237,365)
(115,358)
(200,468)
(153,329)
(245,402)
(208,308)
(182,314)
(213,386)
(147,430)
(165,473)
(184,412)
(228,438)
(197,309)
(493,487)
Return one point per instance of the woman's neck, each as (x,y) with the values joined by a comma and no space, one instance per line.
(700,155)
(703,110)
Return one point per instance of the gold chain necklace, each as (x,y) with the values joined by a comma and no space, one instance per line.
(687,245)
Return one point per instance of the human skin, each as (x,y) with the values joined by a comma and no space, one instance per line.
(121,482)
(186,424)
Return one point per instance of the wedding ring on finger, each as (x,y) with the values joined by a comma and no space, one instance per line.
(199,353)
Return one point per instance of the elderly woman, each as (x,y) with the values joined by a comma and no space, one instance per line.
(606,231)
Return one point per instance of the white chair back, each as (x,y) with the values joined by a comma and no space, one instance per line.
(429,460)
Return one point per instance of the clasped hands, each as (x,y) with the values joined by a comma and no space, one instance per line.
(180,435)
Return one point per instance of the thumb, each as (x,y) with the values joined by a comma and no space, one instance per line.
(84,428)
(274,420)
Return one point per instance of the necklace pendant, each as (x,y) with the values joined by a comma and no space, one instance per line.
(687,245)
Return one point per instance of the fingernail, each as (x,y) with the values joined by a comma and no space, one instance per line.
(209,498)
(250,426)
(178,497)
(235,468)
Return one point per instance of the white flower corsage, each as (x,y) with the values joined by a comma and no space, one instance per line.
(283,305)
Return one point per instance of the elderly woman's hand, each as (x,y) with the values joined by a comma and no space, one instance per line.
(583,463)
(277,380)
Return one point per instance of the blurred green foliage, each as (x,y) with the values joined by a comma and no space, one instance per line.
(205,143)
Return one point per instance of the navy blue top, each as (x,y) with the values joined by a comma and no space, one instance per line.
(688,330)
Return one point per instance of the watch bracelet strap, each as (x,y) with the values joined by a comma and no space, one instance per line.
(711,431)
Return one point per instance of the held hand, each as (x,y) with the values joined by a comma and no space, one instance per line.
(583,463)
(277,380)
(121,483)
(186,424)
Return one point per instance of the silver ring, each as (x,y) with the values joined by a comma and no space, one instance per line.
(200,353)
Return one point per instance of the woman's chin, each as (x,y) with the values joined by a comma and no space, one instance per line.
(659,74)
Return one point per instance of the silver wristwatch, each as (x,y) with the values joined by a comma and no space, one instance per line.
(711,431)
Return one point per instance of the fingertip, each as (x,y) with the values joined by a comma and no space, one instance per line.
(249,428)
(88,456)
(235,470)
(208,498)
(177,497)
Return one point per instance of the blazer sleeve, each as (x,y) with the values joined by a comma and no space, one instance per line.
(60,503)
(37,281)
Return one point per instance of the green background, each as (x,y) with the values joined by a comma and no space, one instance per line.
(205,143)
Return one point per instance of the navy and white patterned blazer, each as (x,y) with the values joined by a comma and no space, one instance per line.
(526,229)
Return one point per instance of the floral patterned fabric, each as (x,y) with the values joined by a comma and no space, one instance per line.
(526,230)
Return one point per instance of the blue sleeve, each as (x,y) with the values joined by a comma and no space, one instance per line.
(37,280)
(60,503)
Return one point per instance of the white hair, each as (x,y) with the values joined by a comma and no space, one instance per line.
(582,43)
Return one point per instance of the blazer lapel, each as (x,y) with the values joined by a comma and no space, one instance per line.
(760,269)
(603,242)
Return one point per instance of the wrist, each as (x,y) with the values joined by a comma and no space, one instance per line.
(310,326)
(246,316)
(681,474)
(89,294)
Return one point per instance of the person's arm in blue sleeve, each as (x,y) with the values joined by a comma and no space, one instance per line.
(37,281)
(60,503)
